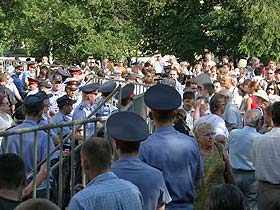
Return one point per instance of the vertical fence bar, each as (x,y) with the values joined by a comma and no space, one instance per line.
(48,165)
(60,171)
(72,163)
(35,157)
(84,140)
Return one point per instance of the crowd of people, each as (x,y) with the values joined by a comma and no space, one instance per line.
(214,144)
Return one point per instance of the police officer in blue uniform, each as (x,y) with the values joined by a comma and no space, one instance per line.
(105,89)
(126,95)
(33,109)
(87,106)
(128,129)
(65,105)
(174,153)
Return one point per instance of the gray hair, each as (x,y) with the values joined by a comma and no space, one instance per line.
(251,117)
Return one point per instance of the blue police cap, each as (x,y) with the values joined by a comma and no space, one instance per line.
(162,97)
(34,101)
(127,126)
(63,73)
(89,88)
(65,100)
(17,65)
(107,87)
(127,90)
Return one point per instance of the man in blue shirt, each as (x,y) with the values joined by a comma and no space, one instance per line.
(87,106)
(33,109)
(240,147)
(128,129)
(174,153)
(104,190)
(108,108)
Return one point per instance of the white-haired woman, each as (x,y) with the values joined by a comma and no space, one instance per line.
(214,158)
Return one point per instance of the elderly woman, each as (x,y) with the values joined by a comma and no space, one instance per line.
(214,158)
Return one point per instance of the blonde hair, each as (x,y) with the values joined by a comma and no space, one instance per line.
(200,127)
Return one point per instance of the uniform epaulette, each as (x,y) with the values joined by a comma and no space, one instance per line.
(81,107)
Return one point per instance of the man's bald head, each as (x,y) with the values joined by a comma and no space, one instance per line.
(252,117)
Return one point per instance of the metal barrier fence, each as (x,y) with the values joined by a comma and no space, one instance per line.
(46,162)
(139,87)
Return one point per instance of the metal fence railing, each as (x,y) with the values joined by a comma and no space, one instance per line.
(46,161)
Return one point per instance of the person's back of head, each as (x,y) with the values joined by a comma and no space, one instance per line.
(225,197)
(37,204)
(258,71)
(216,102)
(12,173)
(96,153)
(209,87)
(252,117)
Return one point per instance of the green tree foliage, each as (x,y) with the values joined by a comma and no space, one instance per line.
(262,35)
(74,29)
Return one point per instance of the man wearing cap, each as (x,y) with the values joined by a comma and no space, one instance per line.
(127,94)
(105,89)
(87,106)
(174,153)
(46,86)
(32,86)
(71,89)
(33,110)
(56,93)
(65,105)
(127,136)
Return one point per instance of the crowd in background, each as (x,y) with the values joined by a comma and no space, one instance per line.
(231,110)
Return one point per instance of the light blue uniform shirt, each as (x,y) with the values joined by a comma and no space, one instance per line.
(240,147)
(28,146)
(61,118)
(81,113)
(107,192)
(106,110)
(149,181)
(177,156)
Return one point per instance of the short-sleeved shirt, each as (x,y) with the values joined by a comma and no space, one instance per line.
(217,122)
(266,156)
(152,187)
(177,156)
(107,192)
(61,118)
(81,113)
(232,115)
(106,110)
(28,146)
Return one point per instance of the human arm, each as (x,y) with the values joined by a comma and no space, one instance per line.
(42,174)
(248,104)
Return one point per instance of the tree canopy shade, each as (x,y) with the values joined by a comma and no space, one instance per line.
(74,29)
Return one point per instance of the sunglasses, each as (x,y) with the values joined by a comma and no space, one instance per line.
(270,88)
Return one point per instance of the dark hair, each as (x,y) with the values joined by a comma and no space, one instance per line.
(216,101)
(225,197)
(37,204)
(209,87)
(98,153)
(258,71)
(276,90)
(127,147)
(275,111)
(11,171)
(163,116)
(188,95)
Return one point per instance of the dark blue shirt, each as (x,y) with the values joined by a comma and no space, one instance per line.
(177,156)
